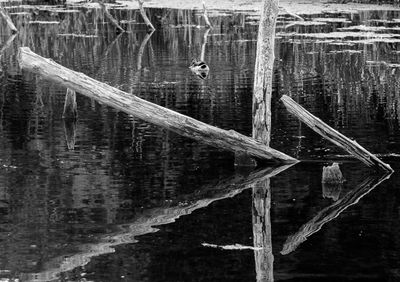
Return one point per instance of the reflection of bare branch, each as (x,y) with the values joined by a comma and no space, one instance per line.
(144,223)
(70,133)
(203,46)
(7,44)
(141,49)
(144,16)
(7,18)
(331,212)
(105,55)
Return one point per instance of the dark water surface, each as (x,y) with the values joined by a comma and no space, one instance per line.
(92,212)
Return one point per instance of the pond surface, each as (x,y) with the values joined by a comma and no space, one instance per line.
(112,198)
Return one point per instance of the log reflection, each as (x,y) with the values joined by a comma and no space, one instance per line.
(331,212)
(146,221)
(264,259)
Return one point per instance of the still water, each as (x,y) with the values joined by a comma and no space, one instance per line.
(112,198)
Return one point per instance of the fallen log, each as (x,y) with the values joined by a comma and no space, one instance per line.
(150,112)
(333,135)
(7,18)
(144,16)
(332,212)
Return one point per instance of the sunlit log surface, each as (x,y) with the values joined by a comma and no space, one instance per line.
(7,18)
(331,212)
(144,16)
(333,135)
(147,219)
(150,112)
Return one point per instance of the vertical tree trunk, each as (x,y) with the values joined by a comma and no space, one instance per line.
(264,72)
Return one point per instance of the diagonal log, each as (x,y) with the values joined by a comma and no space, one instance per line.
(150,112)
(331,212)
(333,135)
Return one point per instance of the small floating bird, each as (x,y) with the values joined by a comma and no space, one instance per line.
(199,68)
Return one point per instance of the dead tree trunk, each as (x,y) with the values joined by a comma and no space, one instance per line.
(128,103)
(334,136)
(149,25)
(7,18)
(264,72)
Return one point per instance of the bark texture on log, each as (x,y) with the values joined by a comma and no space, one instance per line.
(333,135)
(144,16)
(7,18)
(331,212)
(150,112)
(263,73)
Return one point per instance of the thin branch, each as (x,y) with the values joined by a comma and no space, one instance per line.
(208,24)
(7,18)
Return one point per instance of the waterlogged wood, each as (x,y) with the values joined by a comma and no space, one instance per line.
(150,112)
(146,221)
(263,72)
(7,18)
(333,135)
(144,16)
(331,212)
(110,17)
(205,15)
(70,106)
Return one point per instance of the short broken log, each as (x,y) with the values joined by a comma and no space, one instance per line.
(333,135)
(7,18)
(150,112)
(332,174)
